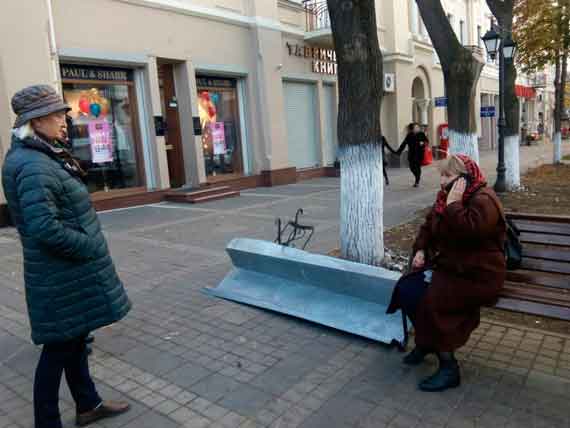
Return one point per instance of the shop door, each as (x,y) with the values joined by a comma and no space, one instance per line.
(173,138)
(330,118)
(301,123)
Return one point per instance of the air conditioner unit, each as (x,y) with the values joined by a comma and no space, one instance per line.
(389,82)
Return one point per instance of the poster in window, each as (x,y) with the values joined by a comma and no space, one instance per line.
(101,141)
(219,138)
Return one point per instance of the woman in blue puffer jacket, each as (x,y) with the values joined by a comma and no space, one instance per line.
(72,287)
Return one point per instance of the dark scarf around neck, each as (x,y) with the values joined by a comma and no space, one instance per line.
(56,150)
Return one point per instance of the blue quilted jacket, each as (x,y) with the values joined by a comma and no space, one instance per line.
(72,287)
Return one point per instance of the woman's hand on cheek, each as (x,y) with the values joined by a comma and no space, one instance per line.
(457,191)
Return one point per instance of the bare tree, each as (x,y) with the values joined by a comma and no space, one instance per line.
(503,10)
(360,80)
(461,71)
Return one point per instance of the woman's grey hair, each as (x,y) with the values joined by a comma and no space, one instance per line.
(452,165)
(24,131)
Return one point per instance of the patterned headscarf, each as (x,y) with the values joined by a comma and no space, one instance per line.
(477,181)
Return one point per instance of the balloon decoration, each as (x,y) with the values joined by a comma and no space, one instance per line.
(215,98)
(95,109)
(207,104)
(84,104)
(104,106)
(93,103)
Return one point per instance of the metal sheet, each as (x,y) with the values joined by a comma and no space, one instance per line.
(337,293)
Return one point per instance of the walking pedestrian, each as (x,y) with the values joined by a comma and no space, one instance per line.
(415,141)
(458,266)
(71,284)
(385,146)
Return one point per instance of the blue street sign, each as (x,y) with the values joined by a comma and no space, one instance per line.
(487,111)
(441,101)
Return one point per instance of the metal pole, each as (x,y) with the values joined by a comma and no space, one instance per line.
(500,184)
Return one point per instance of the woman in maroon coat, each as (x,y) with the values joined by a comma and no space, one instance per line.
(458,266)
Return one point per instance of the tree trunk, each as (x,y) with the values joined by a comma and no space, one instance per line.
(503,11)
(461,71)
(512,131)
(560,108)
(359,58)
(557,138)
(461,87)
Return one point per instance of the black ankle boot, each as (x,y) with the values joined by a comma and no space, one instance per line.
(417,356)
(447,376)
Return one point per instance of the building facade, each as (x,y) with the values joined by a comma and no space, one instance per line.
(173,93)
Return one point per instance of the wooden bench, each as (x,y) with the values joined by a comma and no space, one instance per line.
(542,285)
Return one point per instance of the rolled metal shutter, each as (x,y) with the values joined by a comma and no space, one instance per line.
(301,123)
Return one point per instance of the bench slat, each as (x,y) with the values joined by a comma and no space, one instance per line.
(559,254)
(539,278)
(534,308)
(547,228)
(541,294)
(539,217)
(545,265)
(541,238)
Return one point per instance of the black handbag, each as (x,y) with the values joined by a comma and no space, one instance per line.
(513,247)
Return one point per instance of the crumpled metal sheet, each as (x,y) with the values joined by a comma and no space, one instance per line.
(336,293)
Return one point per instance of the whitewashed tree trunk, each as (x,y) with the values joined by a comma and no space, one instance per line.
(464,144)
(557,142)
(361,206)
(512,162)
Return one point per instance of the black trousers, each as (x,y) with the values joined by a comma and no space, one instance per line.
(71,358)
(385,174)
(416,168)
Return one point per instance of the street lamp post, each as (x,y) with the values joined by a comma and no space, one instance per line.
(502,44)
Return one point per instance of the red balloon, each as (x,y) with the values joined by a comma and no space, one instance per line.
(84,105)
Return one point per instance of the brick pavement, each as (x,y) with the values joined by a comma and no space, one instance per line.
(187,360)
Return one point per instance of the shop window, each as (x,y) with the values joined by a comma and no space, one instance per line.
(219,119)
(103,127)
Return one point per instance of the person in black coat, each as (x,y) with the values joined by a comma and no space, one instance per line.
(385,146)
(415,141)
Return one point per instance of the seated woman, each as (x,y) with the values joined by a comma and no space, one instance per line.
(458,266)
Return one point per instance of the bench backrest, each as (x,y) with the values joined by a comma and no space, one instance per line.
(546,250)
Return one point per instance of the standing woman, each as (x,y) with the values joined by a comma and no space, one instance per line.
(415,141)
(458,266)
(71,284)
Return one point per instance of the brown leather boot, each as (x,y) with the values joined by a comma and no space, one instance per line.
(106,409)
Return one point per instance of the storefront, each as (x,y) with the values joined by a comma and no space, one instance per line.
(529,119)
(222,145)
(104,126)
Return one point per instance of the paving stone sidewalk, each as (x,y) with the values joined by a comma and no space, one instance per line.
(184,359)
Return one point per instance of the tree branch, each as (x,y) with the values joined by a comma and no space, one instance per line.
(503,11)
(355,37)
(497,8)
(440,31)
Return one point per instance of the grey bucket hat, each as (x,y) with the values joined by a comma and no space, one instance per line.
(36,101)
